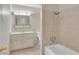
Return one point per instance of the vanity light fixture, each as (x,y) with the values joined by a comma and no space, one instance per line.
(28,13)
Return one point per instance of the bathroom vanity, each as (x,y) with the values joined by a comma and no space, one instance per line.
(21,40)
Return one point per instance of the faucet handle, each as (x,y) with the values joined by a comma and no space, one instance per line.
(51,38)
(54,37)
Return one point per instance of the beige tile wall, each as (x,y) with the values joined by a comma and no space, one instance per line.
(69,27)
(65,26)
(50,23)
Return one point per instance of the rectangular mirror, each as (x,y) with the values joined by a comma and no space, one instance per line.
(22,21)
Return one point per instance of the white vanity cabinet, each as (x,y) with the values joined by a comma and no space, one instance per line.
(20,40)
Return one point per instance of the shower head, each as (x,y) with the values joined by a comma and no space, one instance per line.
(56,13)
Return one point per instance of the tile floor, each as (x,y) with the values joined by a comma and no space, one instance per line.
(27,51)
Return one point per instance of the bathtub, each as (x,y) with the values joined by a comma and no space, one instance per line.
(58,49)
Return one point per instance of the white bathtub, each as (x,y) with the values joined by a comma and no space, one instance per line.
(58,49)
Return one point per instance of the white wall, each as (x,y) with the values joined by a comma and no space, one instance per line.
(4,28)
(32,5)
(35,22)
(35,18)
